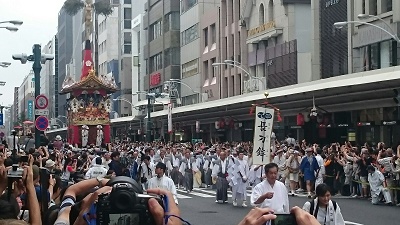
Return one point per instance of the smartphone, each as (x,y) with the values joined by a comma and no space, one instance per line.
(284,219)
(23,158)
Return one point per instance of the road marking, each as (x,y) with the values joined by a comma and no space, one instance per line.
(197,194)
(352,223)
(179,196)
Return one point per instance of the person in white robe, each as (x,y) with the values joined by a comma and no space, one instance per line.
(99,136)
(375,180)
(220,177)
(280,160)
(163,182)
(271,193)
(293,165)
(187,169)
(176,176)
(239,175)
(97,170)
(319,174)
(161,157)
(85,135)
(256,174)
(326,211)
(146,171)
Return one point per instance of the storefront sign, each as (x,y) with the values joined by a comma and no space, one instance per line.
(262,135)
(267,26)
(155,79)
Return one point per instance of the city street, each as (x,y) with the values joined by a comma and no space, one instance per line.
(199,207)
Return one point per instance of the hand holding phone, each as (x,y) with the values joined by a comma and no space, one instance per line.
(284,219)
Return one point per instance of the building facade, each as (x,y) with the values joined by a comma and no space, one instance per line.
(162,49)
(138,63)
(47,76)
(329,45)
(209,53)
(192,67)
(232,46)
(65,41)
(26,98)
(278,43)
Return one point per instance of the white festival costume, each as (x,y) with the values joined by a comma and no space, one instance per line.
(165,183)
(279,202)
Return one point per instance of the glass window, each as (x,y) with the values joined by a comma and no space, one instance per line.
(127,13)
(127,38)
(190,34)
(205,34)
(172,21)
(190,68)
(172,57)
(127,49)
(213,36)
(155,63)
(155,30)
(389,6)
(187,4)
(127,24)
(128,1)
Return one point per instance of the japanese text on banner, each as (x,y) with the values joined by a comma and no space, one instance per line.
(170,118)
(262,135)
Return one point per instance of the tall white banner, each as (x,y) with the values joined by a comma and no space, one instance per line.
(170,129)
(262,135)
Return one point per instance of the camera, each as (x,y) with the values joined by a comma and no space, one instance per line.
(125,205)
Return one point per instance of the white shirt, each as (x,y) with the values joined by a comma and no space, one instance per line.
(165,183)
(279,202)
(328,215)
(96,171)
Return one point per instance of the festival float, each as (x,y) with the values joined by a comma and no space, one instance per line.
(89,105)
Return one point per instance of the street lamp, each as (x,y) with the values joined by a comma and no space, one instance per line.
(13,22)
(119,98)
(5,64)
(340,25)
(37,58)
(235,64)
(12,29)
(185,84)
(150,96)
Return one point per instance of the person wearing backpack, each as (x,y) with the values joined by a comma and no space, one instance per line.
(325,210)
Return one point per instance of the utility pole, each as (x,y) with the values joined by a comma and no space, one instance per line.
(37,58)
(37,67)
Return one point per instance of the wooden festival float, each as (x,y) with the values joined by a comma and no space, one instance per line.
(89,105)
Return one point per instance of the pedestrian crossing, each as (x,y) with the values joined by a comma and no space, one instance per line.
(202,193)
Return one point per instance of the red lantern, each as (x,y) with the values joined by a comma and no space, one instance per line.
(300,119)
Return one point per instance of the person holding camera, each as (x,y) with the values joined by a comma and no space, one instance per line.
(26,182)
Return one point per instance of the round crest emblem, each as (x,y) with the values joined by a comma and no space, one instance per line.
(88,63)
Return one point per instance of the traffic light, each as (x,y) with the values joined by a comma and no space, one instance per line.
(396,97)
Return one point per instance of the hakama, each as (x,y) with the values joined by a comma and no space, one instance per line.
(222,189)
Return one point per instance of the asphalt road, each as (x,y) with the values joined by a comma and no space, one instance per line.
(199,208)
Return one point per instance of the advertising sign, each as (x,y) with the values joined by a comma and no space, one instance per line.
(30,110)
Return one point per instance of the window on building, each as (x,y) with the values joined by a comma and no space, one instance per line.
(389,6)
(190,34)
(128,1)
(213,36)
(270,10)
(172,57)
(127,49)
(363,6)
(187,4)
(155,62)
(128,24)
(190,68)
(205,35)
(127,38)
(127,13)
(261,16)
(373,7)
(155,30)
(213,60)
(205,69)
(171,21)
